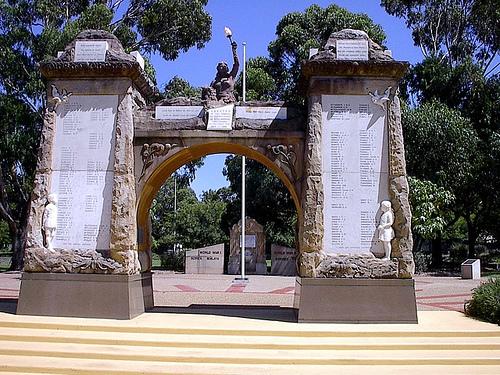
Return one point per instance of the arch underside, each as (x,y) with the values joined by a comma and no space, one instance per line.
(282,156)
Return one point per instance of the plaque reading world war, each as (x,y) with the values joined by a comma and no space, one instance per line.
(355,172)
(83,171)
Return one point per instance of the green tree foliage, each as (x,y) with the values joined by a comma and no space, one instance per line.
(194,224)
(32,31)
(260,85)
(297,32)
(452,30)
(267,200)
(179,87)
(459,40)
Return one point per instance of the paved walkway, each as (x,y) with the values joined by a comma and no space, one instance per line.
(180,290)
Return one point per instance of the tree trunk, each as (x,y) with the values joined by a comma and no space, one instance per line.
(437,253)
(471,240)
(18,244)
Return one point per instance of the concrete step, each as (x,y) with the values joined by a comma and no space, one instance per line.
(44,365)
(443,343)
(251,356)
(248,342)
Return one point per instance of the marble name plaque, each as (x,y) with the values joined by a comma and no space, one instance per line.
(88,51)
(177,112)
(262,113)
(250,241)
(83,170)
(354,172)
(206,260)
(352,49)
(221,118)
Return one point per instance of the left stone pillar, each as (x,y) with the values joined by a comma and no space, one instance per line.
(81,255)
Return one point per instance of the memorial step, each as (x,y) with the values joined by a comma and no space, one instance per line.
(205,344)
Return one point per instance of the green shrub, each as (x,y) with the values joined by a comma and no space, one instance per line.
(422,261)
(485,302)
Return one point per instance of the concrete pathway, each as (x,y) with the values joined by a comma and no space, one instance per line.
(180,290)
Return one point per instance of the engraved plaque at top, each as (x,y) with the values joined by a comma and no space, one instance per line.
(352,49)
(89,51)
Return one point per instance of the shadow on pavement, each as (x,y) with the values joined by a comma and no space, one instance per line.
(276,313)
(8,305)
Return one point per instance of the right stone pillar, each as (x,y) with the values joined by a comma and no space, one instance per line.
(356,262)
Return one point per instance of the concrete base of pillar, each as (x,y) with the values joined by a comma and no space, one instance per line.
(355,300)
(85,295)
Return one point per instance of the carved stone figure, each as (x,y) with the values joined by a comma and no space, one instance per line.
(379,99)
(224,80)
(385,231)
(50,221)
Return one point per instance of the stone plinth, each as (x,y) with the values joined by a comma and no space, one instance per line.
(355,300)
(85,295)
(255,249)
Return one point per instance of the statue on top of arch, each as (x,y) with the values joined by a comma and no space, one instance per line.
(222,87)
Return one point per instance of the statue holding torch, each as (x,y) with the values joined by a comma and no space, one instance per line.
(223,83)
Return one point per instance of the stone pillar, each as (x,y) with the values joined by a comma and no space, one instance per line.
(354,160)
(86,160)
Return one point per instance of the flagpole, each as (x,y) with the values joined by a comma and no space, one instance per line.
(244,72)
(243,217)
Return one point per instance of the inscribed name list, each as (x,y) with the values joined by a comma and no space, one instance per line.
(83,171)
(355,173)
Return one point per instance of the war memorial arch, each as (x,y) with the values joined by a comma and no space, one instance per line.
(108,146)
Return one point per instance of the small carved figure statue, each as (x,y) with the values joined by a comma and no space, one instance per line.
(224,80)
(385,231)
(50,221)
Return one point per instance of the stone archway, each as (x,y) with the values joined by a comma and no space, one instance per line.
(176,157)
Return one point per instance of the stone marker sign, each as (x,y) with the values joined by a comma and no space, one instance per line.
(255,249)
(205,260)
(283,260)
(355,173)
(177,112)
(220,118)
(83,171)
(262,113)
(354,49)
(88,51)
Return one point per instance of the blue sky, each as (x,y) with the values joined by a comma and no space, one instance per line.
(254,22)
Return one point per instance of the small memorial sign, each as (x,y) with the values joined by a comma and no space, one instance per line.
(206,260)
(262,113)
(220,118)
(352,49)
(177,112)
(88,51)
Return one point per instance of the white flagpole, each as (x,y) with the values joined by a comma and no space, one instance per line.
(243,217)
(244,72)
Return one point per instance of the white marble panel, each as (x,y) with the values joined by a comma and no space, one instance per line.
(82,174)
(177,112)
(221,118)
(262,113)
(90,50)
(352,49)
(355,172)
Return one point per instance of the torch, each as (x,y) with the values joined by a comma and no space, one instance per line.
(228,33)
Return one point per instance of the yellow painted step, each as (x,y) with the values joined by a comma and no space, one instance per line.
(255,342)
(251,356)
(41,365)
